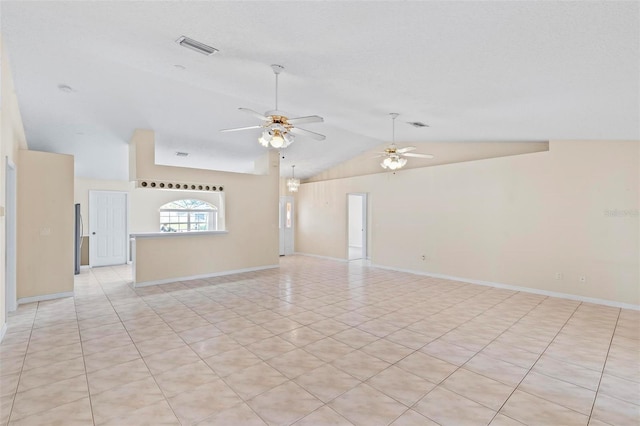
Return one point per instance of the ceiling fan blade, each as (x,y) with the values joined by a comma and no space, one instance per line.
(241,128)
(406,149)
(254,113)
(409,154)
(303,132)
(307,119)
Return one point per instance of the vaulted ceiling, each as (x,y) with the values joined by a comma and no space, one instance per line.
(472,71)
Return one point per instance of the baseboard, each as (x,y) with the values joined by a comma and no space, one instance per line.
(517,288)
(203,276)
(3,331)
(84,267)
(337,259)
(44,297)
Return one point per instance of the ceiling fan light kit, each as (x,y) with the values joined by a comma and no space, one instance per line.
(279,131)
(394,157)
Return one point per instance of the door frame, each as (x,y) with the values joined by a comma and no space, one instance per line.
(11,201)
(92,195)
(364,196)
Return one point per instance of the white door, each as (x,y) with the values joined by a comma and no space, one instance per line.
(286,226)
(357,226)
(10,236)
(107,228)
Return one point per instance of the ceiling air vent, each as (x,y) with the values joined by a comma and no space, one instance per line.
(182,154)
(417,124)
(196,45)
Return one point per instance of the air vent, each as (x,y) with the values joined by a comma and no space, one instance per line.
(196,45)
(182,154)
(417,124)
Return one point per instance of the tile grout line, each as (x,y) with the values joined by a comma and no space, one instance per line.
(604,366)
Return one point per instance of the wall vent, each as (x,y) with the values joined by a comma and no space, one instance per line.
(182,154)
(192,44)
(151,184)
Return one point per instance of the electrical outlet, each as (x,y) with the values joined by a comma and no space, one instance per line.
(582,279)
(559,275)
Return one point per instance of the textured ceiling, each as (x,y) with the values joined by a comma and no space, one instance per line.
(474,71)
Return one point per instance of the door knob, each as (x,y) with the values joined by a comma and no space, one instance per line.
(93,233)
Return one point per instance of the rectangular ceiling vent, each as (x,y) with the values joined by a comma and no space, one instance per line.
(418,124)
(192,44)
(182,154)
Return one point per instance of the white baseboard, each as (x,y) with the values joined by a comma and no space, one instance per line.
(3,331)
(203,276)
(83,267)
(337,259)
(594,300)
(44,297)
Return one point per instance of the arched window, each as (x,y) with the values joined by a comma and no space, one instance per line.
(188,216)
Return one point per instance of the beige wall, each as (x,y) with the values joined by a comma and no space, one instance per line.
(11,140)
(513,220)
(251,211)
(45,223)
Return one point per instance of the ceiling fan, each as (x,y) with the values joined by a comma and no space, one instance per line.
(394,156)
(279,131)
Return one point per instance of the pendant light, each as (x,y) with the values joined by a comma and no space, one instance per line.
(292,182)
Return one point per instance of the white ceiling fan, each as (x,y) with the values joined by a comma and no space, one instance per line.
(279,131)
(394,156)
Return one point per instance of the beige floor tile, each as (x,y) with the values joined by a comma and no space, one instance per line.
(159,344)
(355,337)
(294,363)
(559,392)
(615,411)
(117,375)
(448,408)
(159,413)
(534,411)
(171,359)
(101,344)
(270,347)
(9,384)
(284,404)
(511,354)
(77,413)
(567,372)
(109,358)
(360,365)
(427,367)
(619,388)
(185,378)
(324,416)
(6,402)
(387,351)
(214,346)
(254,380)
(231,362)
(240,414)
(478,388)
(252,334)
(302,336)
(49,396)
(327,382)
(51,373)
(453,354)
(413,418)
(496,369)
(401,385)
(328,349)
(364,405)
(11,364)
(502,420)
(124,400)
(202,402)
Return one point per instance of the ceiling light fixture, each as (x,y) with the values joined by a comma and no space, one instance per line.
(292,182)
(393,161)
(192,44)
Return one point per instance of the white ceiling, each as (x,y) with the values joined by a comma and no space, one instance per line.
(474,71)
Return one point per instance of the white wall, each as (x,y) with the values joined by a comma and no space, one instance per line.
(513,220)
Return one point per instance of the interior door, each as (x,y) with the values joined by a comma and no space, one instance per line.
(286,226)
(107,228)
(357,226)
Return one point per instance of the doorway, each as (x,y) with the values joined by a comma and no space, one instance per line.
(107,228)
(286,226)
(10,236)
(357,226)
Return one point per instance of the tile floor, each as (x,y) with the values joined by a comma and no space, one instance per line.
(317,342)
